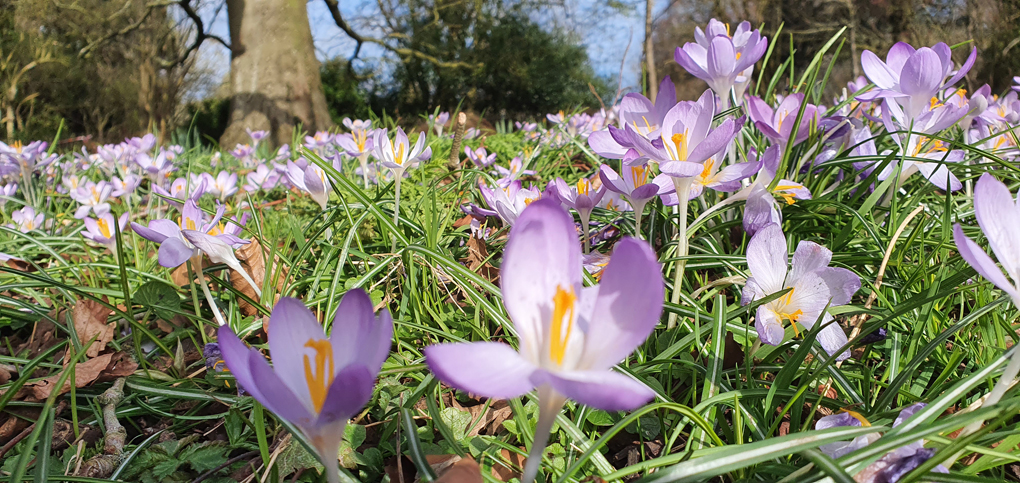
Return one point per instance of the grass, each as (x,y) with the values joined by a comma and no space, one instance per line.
(727,408)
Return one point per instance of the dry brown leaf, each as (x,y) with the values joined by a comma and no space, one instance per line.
(477,260)
(102,368)
(253,259)
(180,274)
(502,473)
(91,320)
(456,470)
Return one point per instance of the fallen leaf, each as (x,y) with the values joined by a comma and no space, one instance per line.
(180,274)
(91,320)
(253,259)
(102,368)
(458,470)
(478,260)
(516,460)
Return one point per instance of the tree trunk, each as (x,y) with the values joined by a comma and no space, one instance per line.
(653,77)
(274,75)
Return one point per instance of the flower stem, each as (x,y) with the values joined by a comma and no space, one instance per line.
(363,160)
(208,295)
(683,191)
(550,404)
(332,471)
(396,208)
(585,219)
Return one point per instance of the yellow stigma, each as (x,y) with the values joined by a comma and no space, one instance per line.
(360,138)
(738,55)
(727,29)
(706,172)
(400,154)
(934,103)
(321,378)
(790,316)
(640,175)
(680,142)
(583,187)
(858,416)
(104,227)
(563,312)
(17,146)
(961,92)
(789,197)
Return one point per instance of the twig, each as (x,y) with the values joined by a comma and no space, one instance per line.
(453,162)
(100,466)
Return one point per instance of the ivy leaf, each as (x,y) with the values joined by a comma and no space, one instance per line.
(159,297)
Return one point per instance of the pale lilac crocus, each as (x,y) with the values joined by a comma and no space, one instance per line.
(398,155)
(359,143)
(637,184)
(319,141)
(510,201)
(181,190)
(311,179)
(894,464)
(480,157)
(92,196)
(26,219)
(438,121)
(174,248)
(777,124)
(222,186)
(7,192)
(641,114)
(126,186)
(912,77)
(761,208)
(570,336)
(316,382)
(923,153)
(582,197)
(813,286)
(515,171)
(256,136)
(719,59)
(101,229)
(998,215)
(262,178)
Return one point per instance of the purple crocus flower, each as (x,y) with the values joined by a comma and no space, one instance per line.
(262,178)
(222,186)
(243,151)
(641,114)
(812,285)
(726,179)
(92,197)
(510,201)
(174,247)
(359,143)
(998,215)
(480,157)
(894,464)
(26,219)
(101,229)
(181,190)
(256,136)
(582,197)
(126,186)
(311,179)
(636,185)
(438,121)
(399,155)
(914,141)
(777,125)
(719,59)
(318,141)
(912,77)
(27,158)
(569,335)
(515,171)
(316,382)
(7,192)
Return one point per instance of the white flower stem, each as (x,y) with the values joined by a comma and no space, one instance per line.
(683,191)
(332,471)
(208,294)
(363,160)
(550,403)
(585,219)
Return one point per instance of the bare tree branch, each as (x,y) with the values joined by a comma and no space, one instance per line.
(334,10)
(86,50)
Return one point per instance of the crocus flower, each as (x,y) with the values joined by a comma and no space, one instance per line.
(358,143)
(812,285)
(28,158)
(515,171)
(509,202)
(92,197)
(262,178)
(998,215)
(480,157)
(399,155)
(761,208)
(174,248)
(316,382)
(914,141)
(637,185)
(641,114)
(894,464)
(777,125)
(125,186)
(912,77)
(243,152)
(569,335)
(101,230)
(7,192)
(181,190)
(256,136)
(719,59)
(222,186)
(438,121)
(311,179)
(26,219)
(582,197)
(318,141)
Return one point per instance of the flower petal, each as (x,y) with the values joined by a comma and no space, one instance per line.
(999,217)
(489,369)
(350,391)
(358,335)
(293,330)
(605,390)
(173,252)
(982,263)
(767,259)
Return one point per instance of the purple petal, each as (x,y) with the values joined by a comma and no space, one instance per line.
(357,334)
(277,396)
(842,283)
(721,57)
(769,327)
(964,68)
(292,331)
(628,306)
(809,257)
(350,390)
(999,217)
(489,369)
(922,74)
(605,390)
(604,145)
(982,263)
(767,259)
(173,252)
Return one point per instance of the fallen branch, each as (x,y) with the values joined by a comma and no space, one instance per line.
(102,465)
